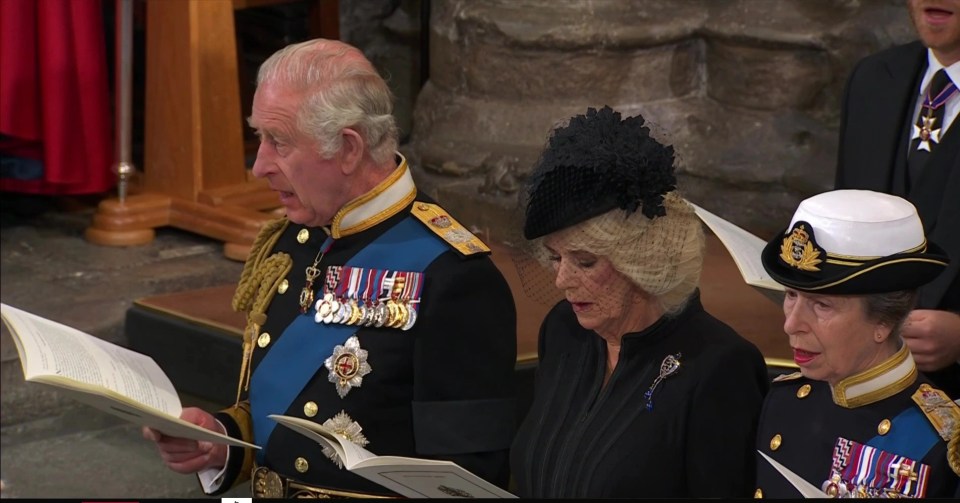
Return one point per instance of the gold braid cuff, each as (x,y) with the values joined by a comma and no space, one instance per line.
(241,415)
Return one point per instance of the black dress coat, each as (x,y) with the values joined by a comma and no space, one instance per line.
(581,439)
(442,389)
(875,125)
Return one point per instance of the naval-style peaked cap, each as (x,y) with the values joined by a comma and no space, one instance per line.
(853,242)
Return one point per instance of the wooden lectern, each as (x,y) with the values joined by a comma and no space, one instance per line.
(195,176)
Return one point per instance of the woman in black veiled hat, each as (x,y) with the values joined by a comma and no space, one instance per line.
(858,420)
(639,392)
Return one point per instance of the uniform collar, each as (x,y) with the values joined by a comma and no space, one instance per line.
(883,381)
(385,200)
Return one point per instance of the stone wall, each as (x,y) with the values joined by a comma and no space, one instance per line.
(747,91)
(389,33)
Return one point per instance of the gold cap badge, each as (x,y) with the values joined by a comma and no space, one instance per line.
(799,251)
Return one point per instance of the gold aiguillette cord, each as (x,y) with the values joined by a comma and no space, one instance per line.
(254,322)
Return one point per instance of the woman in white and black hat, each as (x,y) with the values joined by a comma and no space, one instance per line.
(858,420)
(639,392)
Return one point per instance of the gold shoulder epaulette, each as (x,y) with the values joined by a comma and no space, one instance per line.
(788,377)
(944,414)
(445,226)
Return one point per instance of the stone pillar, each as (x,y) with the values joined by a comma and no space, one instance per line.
(746,90)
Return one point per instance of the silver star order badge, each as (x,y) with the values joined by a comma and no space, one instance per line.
(347,366)
(343,425)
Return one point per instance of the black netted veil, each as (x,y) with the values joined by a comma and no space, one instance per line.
(594,164)
(595,172)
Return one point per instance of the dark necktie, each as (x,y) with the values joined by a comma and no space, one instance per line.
(928,127)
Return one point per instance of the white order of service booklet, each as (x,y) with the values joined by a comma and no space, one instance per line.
(745,249)
(108,377)
(410,477)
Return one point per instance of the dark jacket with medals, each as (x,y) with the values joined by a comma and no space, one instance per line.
(439,388)
(867,437)
(875,127)
(581,439)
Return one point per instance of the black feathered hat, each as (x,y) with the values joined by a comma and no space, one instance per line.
(853,242)
(594,164)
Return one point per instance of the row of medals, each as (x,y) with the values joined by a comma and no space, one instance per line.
(393,313)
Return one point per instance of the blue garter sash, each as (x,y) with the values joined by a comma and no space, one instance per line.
(292,362)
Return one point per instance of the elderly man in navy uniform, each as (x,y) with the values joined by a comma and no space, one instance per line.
(858,420)
(370,309)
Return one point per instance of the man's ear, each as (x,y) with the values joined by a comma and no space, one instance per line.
(351,151)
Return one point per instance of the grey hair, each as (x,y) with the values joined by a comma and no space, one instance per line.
(341,90)
(890,309)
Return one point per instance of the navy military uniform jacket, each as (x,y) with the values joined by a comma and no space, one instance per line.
(820,434)
(443,388)
(583,439)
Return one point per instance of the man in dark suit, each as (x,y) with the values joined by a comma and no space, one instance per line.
(887,118)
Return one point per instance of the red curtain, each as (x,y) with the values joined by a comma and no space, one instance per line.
(54,95)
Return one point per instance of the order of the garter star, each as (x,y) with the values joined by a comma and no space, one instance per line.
(347,366)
